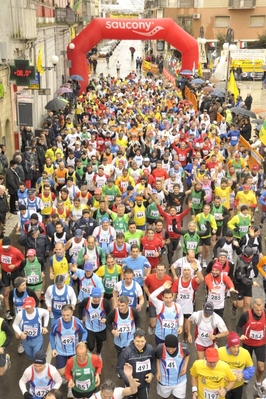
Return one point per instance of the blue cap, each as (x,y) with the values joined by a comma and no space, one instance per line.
(176,163)
(78,233)
(96,292)
(153,191)
(105,219)
(88,266)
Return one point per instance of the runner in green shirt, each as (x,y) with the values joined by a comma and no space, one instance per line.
(133,235)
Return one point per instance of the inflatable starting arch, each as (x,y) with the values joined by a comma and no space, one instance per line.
(130,29)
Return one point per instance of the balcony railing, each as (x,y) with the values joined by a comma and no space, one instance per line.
(65,16)
(242,4)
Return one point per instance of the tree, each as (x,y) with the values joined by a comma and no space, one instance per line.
(221,37)
(262,40)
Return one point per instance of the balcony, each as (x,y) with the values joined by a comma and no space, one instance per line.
(242,4)
(65,16)
(23,22)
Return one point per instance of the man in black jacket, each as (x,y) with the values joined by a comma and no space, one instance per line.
(37,241)
(141,356)
(85,223)
(40,152)
(12,184)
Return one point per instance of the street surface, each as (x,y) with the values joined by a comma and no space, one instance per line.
(9,388)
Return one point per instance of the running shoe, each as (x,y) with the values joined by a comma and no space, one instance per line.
(8,361)
(100,356)
(150,330)
(69,393)
(256,386)
(20,348)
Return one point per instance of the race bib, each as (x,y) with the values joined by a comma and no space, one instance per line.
(150,254)
(170,364)
(169,324)
(124,327)
(46,204)
(196,201)
(110,283)
(104,240)
(133,241)
(41,391)
(58,305)
(6,259)
(256,335)
(138,273)
(217,216)
(83,385)
(86,289)
(210,393)
(68,339)
(143,366)
(155,214)
(110,197)
(94,316)
(184,296)
(32,279)
(170,228)
(243,229)
(31,331)
(191,245)
(215,297)
(140,214)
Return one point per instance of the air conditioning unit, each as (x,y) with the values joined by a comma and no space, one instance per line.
(196,16)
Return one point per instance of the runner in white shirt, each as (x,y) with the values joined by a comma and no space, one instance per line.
(188,260)
(207,322)
(108,390)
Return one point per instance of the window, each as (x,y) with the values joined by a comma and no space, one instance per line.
(222,22)
(257,20)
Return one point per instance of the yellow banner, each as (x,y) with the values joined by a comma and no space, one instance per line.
(248,65)
(123,16)
(146,65)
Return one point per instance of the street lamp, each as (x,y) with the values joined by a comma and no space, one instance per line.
(202,53)
(230,47)
(54,61)
(71,47)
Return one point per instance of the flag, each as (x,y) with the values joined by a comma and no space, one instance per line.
(211,64)
(262,133)
(243,44)
(200,69)
(73,33)
(232,86)
(76,5)
(211,44)
(39,61)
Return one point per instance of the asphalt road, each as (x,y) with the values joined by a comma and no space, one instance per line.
(9,388)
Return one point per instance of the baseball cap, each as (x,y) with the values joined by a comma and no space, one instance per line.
(60,278)
(212,355)
(34,216)
(232,339)
(208,308)
(31,191)
(78,233)
(96,292)
(255,167)
(6,242)
(31,252)
(105,219)
(88,267)
(29,303)
(130,188)
(153,191)
(248,252)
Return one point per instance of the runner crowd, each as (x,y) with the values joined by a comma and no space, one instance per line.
(104,205)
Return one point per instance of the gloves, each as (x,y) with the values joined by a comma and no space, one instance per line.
(27,395)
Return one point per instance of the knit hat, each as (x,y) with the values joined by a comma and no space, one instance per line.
(218,266)
(18,281)
(40,357)
(34,216)
(171,341)
(233,339)
(22,207)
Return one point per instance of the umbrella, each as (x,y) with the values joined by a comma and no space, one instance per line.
(63,90)
(132,49)
(63,99)
(186,72)
(197,81)
(215,93)
(55,105)
(68,85)
(214,80)
(258,127)
(243,111)
(76,77)
(259,121)
(208,89)
(220,89)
